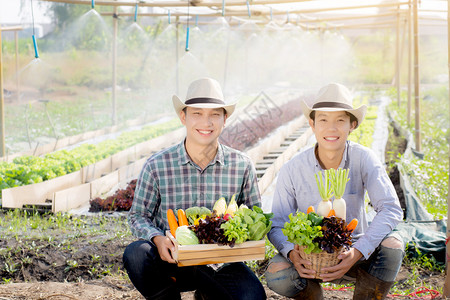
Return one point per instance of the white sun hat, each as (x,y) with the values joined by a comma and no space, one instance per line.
(334,97)
(203,93)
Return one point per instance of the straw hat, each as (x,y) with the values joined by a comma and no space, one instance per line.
(203,93)
(334,97)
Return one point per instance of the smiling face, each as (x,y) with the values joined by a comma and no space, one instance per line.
(203,126)
(331,129)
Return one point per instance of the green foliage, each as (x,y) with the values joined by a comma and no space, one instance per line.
(414,257)
(364,133)
(299,230)
(430,175)
(31,169)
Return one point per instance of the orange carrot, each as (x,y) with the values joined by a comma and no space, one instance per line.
(182,219)
(310,209)
(331,213)
(352,225)
(173,224)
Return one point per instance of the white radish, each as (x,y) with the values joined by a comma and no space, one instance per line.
(325,191)
(338,180)
(324,207)
(340,208)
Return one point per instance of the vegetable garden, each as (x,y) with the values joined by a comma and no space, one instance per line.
(84,114)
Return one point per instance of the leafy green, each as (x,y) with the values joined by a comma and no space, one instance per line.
(27,169)
(248,224)
(235,229)
(315,219)
(300,230)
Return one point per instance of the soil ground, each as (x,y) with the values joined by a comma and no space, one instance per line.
(74,264)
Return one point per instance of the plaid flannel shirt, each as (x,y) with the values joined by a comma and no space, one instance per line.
(171,180)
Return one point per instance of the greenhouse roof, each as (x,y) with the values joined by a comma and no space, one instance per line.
(309,13)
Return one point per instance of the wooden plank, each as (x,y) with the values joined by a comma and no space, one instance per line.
(75,139)
(104,184)
(145,149)
(132,170)
(203,261)
(203,254)
(97,170)
(270,172)
(256,154)
(38,193)
(122,158)
(71,198)
(226,251)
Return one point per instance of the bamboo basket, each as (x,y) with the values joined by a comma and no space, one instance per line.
(320,260)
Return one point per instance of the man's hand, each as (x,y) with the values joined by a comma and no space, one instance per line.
(300,263)
(349,258)
(165,248)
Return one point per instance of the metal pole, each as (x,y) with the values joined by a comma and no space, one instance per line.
(416,78)
(114,67)
(410,55)
(446,291)
(177,41)
(16,39)
(397,57)
(2,107)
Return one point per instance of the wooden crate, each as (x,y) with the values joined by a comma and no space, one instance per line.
(205,254)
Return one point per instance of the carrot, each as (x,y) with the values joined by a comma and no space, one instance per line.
(310,209)
(182,219)
(352,225)
(331,213)
(173,224)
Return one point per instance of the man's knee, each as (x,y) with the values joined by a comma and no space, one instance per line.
(282,277)
(277,267)
(393,243)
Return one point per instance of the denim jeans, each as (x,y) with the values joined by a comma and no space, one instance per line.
(384,264)
(157,279)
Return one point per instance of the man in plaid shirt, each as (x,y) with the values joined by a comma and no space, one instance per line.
(196,172)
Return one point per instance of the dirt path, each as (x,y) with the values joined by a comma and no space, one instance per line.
(105,289)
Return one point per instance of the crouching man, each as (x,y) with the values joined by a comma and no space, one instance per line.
(376,255)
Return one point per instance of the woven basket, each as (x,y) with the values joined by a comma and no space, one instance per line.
(320,260)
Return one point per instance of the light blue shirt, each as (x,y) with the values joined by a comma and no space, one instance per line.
(296,189)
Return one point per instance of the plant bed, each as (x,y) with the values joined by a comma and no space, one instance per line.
(43,255)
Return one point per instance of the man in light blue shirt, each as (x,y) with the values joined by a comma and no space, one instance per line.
(376,254)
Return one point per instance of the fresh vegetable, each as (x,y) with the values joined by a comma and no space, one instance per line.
(248,224)
(334,235)
(173,224)
(232,206)
(185,236)
(236,230)
(300,230)
(352,225)
(182,219)
(208,231)
(331,213)
(195,212)
(220,206)
(310,209)
(325,191)
(315,219)
(339,179)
